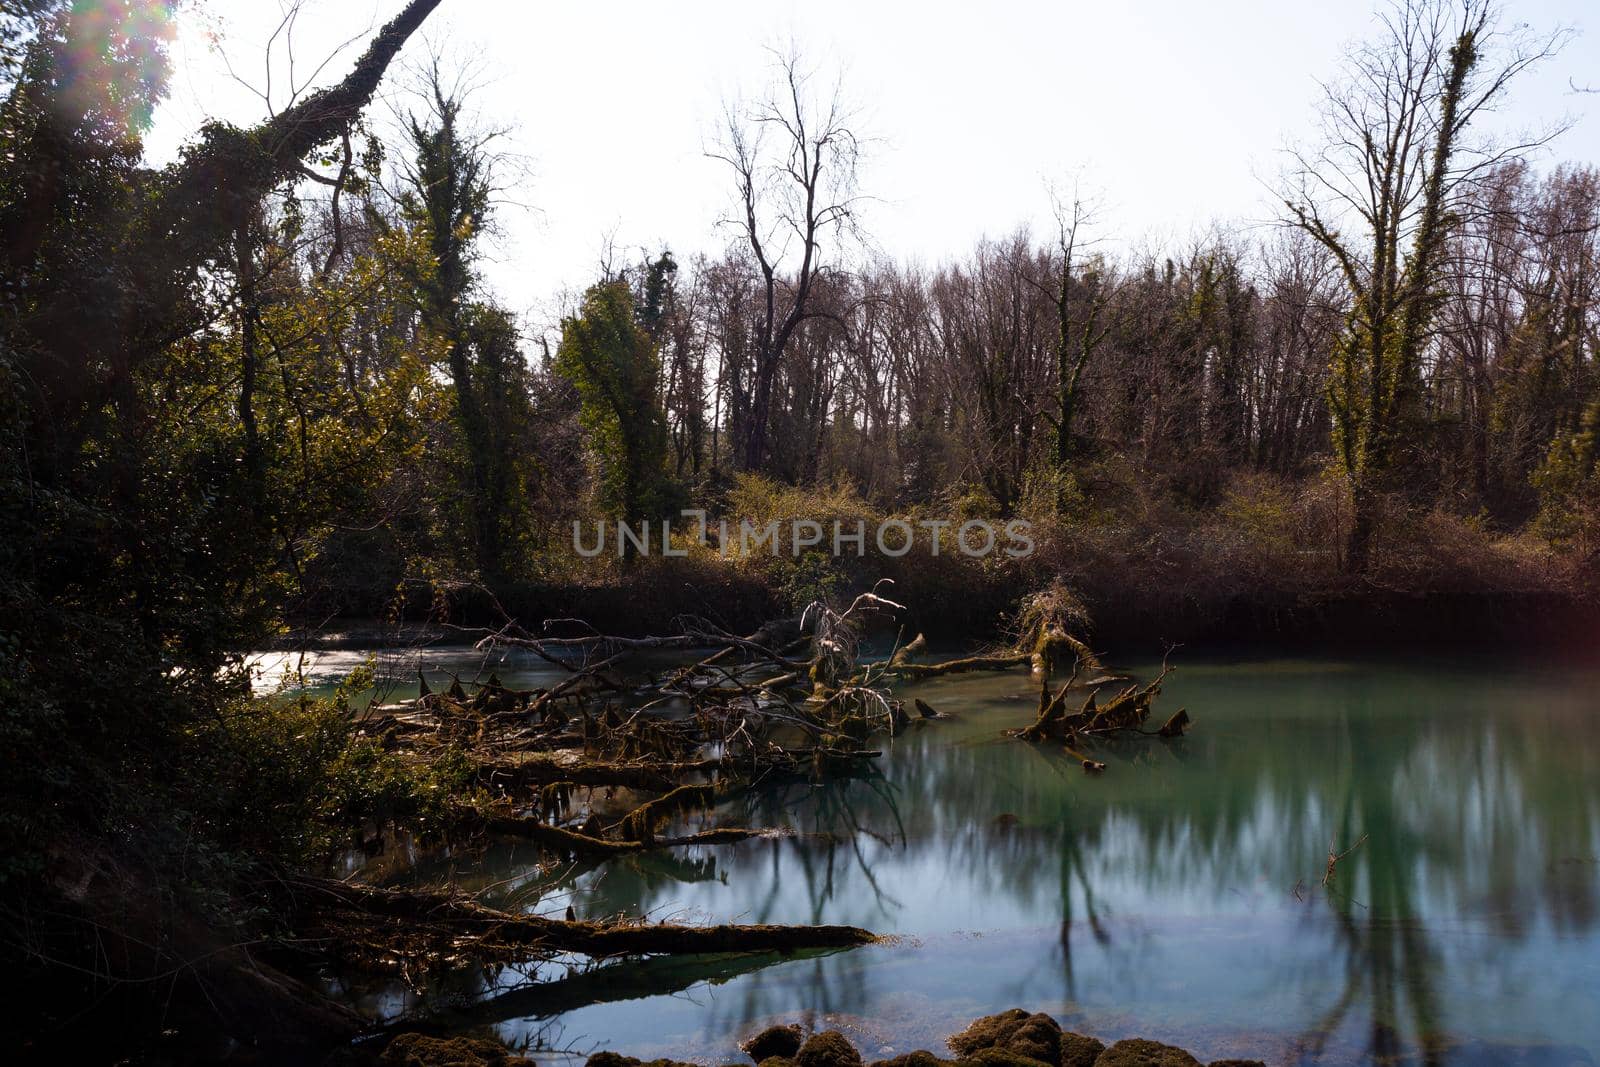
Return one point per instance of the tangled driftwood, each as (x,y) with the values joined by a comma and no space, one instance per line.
(790,702)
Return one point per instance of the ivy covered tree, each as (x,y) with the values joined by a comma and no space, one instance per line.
(1395,170)
(179,431)
(609,355)
(1569,485)
(446,194)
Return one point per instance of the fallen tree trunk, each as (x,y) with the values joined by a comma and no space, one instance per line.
(1125,712)
(540,770)
(559,838)
(1053,720)
(1000,661)
(663,776)
(640,824)
(902,661)
(493,932)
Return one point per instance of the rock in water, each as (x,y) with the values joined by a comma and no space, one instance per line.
(1034,1037)
(1138,1052)
(919,1058)
(782,1041)
(1079,1050)
(613,1059)
(420,1050)
(827,1049)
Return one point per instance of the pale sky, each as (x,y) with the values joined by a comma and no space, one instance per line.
(1171,112)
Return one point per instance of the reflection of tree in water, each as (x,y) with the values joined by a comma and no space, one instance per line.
(1389,962)
(840,815)
(1505,820)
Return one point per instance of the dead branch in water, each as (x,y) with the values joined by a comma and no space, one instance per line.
(1334,858)
(1126,712)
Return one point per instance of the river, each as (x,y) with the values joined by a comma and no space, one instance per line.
(1178,895)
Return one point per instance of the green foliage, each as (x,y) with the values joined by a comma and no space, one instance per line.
(190,404)
(1569,484)
(446,198)
(616,367)
(814,576)
(1264,512)
(289,781)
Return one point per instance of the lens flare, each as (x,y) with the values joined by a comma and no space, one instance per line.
(111,64)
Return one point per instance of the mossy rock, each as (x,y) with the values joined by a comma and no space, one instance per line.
(1009,1036)
(1079,1050)
(986,1032)
(830,1048)
(774,1042)
(919,1058)
(1002,1057)
(616,1059)
(1137,1052)
(420,1050)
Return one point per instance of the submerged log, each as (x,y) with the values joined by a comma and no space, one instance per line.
(1053,722)
(1092,766)
(500,933)
(540,770)
(1127,711)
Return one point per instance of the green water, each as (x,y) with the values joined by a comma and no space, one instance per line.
(1176,896)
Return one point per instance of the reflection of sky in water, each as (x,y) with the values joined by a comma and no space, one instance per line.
(320,671)
(1175,896)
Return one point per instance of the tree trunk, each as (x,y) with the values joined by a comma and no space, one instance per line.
(1363,523)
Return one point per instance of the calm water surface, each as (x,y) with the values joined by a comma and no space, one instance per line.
(1177,896)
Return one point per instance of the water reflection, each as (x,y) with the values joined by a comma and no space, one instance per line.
(1177,896)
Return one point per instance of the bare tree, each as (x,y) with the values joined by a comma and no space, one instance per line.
(794,156)
(1077,336)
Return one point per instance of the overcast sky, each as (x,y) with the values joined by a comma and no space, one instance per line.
(1173,112)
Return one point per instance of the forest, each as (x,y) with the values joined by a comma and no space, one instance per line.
(265,389)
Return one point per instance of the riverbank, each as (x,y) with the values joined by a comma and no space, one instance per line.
(1351,616)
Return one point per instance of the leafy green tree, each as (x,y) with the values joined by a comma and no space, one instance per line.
(609,355)
(447,193)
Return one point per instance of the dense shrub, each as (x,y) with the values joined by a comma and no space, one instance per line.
(287,780)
